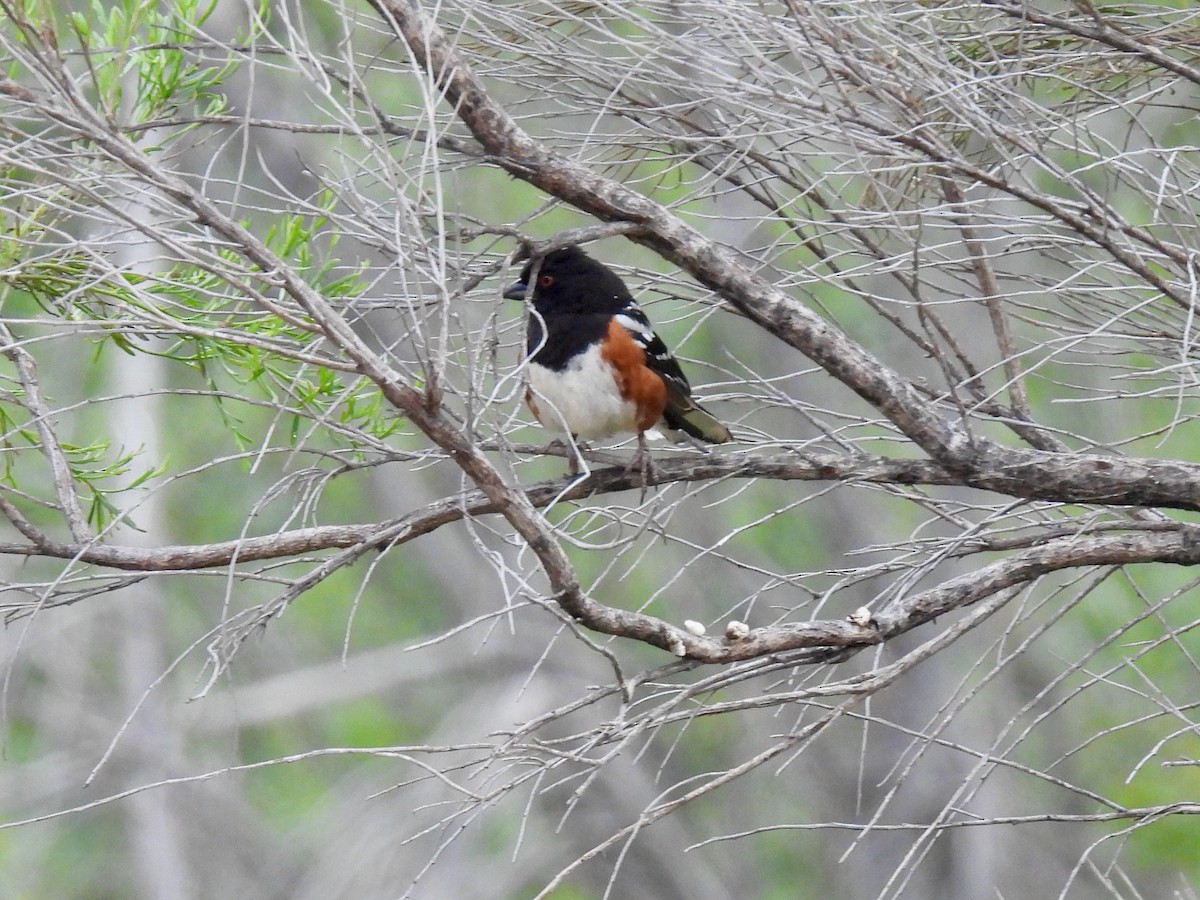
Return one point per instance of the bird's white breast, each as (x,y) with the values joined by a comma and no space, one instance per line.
(582,399)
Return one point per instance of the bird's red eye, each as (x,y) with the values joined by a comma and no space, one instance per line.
(545,280)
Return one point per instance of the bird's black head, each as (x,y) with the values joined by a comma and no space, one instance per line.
(570,281)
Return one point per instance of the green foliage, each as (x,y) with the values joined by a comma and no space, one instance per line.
(214,331)
(14,436)
(92,468)
(139,41)
(224,334)
(206,320)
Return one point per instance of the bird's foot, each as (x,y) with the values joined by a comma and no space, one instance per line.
(643,463)
(572,450)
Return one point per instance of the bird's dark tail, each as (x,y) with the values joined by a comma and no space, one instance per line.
(691,418)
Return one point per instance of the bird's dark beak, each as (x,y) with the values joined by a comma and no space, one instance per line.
(516,291)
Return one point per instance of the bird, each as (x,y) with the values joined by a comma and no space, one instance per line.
(596,367)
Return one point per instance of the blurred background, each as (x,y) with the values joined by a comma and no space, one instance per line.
(414,717)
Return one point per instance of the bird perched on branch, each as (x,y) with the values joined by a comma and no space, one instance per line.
(596,367)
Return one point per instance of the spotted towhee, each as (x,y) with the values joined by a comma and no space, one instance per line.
(596,367)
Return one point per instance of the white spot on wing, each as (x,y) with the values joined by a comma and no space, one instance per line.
(641,329)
